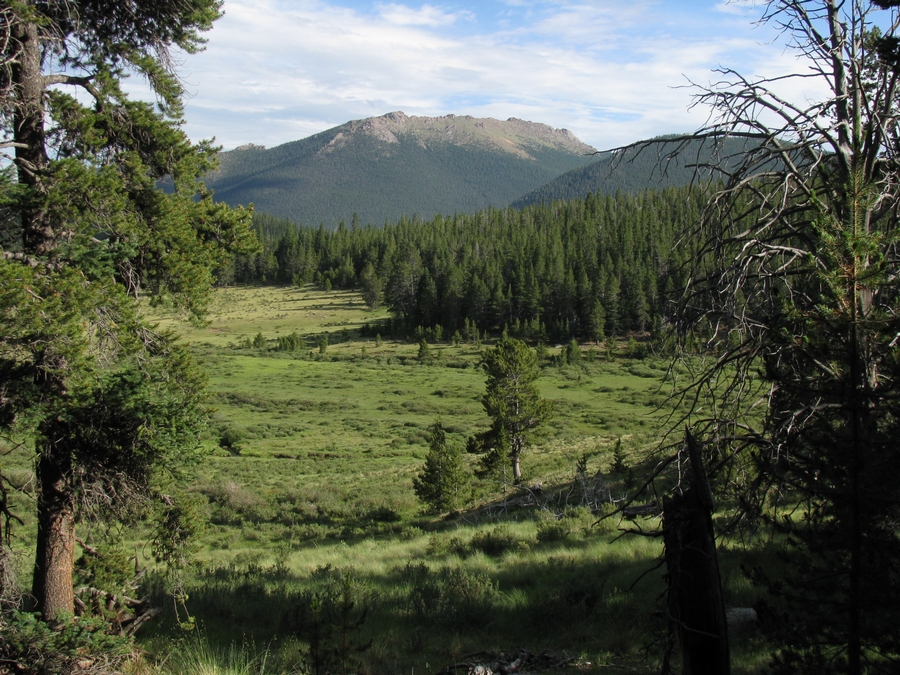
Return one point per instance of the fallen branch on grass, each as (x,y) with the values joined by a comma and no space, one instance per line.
(501,663)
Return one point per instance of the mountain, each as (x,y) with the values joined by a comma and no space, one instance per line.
(382,168)
(634,170)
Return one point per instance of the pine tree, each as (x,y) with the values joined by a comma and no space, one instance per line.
(424,355)
(442,479)
(513,403)
(108,400)
(372,287)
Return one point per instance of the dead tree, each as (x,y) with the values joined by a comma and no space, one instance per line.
(695,604)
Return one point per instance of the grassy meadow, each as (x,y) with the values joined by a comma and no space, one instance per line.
(317,556)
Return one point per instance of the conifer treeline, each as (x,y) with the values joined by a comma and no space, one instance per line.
(583,268)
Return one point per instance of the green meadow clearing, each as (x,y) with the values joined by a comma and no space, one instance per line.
(316,556)
(352,420)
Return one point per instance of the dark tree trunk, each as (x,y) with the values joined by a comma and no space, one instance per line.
(38,236)
(695,598)
(54,561)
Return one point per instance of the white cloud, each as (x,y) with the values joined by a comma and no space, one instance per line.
(426,15)
(276,71)
(742,7)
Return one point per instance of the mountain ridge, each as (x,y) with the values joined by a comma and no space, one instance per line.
(463,129)
(382,168)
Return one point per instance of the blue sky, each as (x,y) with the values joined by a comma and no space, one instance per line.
(611,71)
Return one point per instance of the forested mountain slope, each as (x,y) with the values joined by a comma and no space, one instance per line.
(654,165)
(385,167)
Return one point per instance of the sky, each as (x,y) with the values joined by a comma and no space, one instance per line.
(610,71)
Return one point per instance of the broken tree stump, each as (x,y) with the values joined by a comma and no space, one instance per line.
(695,601)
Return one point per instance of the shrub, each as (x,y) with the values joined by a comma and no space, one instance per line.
(328,618)
(382,514)
(230,440)
(579,515)
(604,520)
(33,646)
(451,596)
(234,504)
(551,529)
(290,343)
(575,596)
(441,544)
(496,541)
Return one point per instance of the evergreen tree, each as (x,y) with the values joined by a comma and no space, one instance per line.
(611,302)
(572,352)
(288,256)
(596,322)
(372,290)
(424,354)
(109,401)
(441,481)
(513,403)
(403,286)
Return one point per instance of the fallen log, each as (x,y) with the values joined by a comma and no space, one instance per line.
(644,510)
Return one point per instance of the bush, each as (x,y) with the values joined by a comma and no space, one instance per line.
(575,596)
(578,517)
(291,343)
(230,439)
(441,544)
(328,618)
(496,541)
(552,530)
(382,514)
(234,504)
(451,597)
(32,646)
(604,521)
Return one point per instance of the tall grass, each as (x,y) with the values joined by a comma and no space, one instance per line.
(197,655)
(310,478)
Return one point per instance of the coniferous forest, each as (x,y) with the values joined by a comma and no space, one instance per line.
(584,268)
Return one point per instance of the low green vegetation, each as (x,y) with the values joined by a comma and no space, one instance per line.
(318,556)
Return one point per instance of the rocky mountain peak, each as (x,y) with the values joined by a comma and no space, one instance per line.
(515,136)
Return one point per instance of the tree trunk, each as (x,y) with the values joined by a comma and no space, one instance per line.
(55,558)
(695,588)
(38,236)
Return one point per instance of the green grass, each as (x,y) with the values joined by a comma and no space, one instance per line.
(570,596)
(309,477)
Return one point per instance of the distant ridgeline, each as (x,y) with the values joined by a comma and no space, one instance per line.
(383,167)
(655,166)
(585,268)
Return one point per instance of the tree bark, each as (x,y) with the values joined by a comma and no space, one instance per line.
(55,558)
(38,236)
(54,561)
(695,597)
